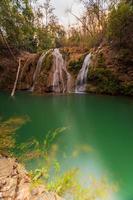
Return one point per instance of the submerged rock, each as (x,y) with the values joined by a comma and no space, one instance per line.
(15,183)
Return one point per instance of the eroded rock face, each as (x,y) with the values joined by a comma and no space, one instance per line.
(15,184)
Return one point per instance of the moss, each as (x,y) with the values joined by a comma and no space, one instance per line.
(75,65)
(127,89)
(48,61)
(105,80)
(101,60)
(65,54)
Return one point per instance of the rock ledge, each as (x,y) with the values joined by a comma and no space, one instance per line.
(15,183)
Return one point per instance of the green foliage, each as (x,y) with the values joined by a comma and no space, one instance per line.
(111,19)
(68,185)
(101,60)
(33,149)
(105,80)
(45,39)
(51,136)
(127,89)
(75,65)
(37,175)
(46,151)
(33,27)
(65,184)
(16,19)
(23,26)
(120,27)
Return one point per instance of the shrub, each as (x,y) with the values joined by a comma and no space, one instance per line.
(106,81)
(101,60)
(127,89)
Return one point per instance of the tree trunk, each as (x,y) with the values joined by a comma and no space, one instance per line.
(16,80)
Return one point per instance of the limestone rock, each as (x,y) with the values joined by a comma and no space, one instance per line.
(15,184)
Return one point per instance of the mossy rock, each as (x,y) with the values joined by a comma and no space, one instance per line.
(100,60)
(48,62)
(65,54)
(75,65)
(105,80)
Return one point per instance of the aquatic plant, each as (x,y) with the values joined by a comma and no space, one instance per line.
(34,149)
(8,129)
(65,184)
(69,186)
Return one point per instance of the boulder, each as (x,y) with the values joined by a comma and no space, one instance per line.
(15,183)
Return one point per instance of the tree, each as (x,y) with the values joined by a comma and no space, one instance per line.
(93,21)
(49,32)
(17,23)
(48,8)
(120,29)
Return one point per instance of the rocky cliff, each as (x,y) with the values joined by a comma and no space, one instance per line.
(110,71)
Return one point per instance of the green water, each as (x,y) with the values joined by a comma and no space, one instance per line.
(103,124)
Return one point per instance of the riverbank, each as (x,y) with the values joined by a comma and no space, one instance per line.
(15,183)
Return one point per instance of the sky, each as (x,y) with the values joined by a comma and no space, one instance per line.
(60,8)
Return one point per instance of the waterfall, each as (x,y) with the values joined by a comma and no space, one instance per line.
(16,80)
(61,78)
(82,76)
(38,69)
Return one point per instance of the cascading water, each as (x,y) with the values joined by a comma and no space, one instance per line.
(82,76)
(38,69)
(61,78)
